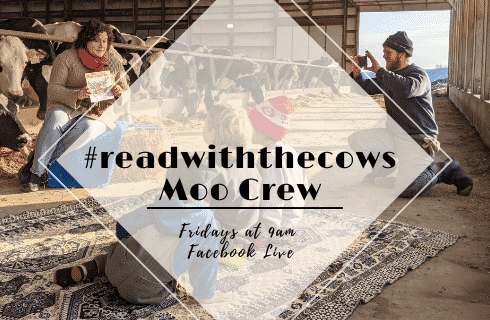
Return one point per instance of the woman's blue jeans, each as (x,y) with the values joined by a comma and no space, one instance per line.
(50,147)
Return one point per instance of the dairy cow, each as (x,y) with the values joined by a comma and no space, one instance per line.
(44,56)
(131,58)
(14,57)
(309,76)
(280,76)
(167,71)
(134,40)
(69,29)
(240,72)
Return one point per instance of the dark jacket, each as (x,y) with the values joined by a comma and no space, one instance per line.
(410,89)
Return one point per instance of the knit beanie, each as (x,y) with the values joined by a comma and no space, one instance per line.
(272,117)
(400,42)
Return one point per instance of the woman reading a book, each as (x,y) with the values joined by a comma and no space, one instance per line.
(69,108)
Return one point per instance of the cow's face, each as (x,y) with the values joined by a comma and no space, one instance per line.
(246,67)
(155,65)
(13,60)
(12,133)
(14,57)
(295,74)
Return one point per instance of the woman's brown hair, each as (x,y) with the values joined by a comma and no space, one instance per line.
(90,31)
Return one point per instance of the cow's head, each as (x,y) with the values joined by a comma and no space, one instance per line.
(155,64)
(294,73)
(12,133)
(14,57)
(242,67)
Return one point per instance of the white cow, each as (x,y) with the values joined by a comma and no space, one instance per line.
(134,40)
(155,64)
(13,59)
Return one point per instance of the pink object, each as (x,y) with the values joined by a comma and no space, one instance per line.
(272,116)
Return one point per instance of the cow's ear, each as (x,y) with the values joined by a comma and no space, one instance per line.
(188,59)
(35,56)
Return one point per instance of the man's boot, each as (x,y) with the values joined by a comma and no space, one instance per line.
(454,175)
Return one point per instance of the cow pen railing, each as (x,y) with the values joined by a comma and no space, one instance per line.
(243,96)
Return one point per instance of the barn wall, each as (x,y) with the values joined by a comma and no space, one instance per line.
(155,17)
(469,62)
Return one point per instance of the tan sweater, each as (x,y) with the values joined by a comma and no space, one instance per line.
(68,77)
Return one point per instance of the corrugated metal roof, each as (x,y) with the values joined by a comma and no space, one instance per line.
(402,5)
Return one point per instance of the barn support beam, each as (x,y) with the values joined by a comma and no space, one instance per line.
(162,15)
(470,41)
(135,15)
(102,10)
(344,33)
(24,9)
(450,53)
(461,51)
(486,56)
(478,47)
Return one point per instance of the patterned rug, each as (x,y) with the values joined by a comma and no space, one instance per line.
(35,244)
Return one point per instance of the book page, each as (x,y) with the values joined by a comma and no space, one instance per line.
(100,83)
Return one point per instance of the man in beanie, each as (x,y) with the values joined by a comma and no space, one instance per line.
(409,87)
(271,120)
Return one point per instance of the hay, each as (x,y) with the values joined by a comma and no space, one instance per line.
(146,135)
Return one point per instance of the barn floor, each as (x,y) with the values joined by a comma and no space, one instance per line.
(453,285)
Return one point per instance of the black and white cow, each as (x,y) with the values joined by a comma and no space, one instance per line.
(280,76)
(240,72)
(131,58)
(310,75)
(167,71)
(69,29)
(13,135)
(45,57)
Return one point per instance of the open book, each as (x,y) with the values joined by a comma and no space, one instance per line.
(100,83)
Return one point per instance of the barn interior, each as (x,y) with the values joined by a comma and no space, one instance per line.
(333,21)
(452,285)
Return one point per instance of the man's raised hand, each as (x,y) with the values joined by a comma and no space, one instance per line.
(375,66)
(356,71)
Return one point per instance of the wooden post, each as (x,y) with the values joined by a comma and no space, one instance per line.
(450,66)
(48,15)
(102,10)
(162,16)
(68,7)
(135,15)
(478,44)
(470,43)
(189,15)
(24,8)
(461,52)
(485,81)
(344,35)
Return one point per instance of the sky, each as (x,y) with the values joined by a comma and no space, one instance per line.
(428,30)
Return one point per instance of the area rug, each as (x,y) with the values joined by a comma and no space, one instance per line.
(35,244)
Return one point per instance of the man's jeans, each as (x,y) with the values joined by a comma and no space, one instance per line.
(408,155)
